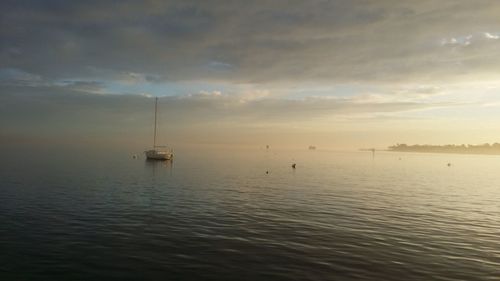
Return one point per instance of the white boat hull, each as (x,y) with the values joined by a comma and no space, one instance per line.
(154,154)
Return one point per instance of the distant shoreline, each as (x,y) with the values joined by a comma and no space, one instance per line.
(447,152)
(483,149)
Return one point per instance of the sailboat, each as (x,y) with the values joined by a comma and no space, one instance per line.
(158,152)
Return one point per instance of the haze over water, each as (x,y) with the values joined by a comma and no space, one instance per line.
(214,214)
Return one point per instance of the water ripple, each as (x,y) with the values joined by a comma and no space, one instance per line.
(336,217)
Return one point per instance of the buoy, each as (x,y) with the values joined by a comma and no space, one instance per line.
(267,172)
(293,165)
(449,164)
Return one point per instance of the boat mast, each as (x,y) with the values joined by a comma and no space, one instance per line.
(156,108)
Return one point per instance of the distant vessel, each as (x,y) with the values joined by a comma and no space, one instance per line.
(158,152)
(312,147)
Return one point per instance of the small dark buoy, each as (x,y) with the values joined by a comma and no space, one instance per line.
(267,172)
(134,156)
(449,164)
(293,165)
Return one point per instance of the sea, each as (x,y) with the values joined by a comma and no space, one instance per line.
(246,214)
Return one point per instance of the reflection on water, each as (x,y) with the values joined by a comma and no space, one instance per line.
(217,215)
(154,165)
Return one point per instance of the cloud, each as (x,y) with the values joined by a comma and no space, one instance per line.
(251,42)
(466,40)
(489,35)
(461,41)
(92,67)
(74,107)
(17,76)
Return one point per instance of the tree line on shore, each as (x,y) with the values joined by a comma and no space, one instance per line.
(452,148)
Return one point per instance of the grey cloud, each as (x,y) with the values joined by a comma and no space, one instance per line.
(57,110)
(16,76)
(249,41)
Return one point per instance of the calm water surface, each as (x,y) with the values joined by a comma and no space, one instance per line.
(217,215)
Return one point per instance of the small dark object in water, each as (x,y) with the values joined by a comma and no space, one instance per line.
(134,156)
(449,164)
(267,172)
(293,165)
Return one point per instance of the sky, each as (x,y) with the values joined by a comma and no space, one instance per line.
(335,74)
